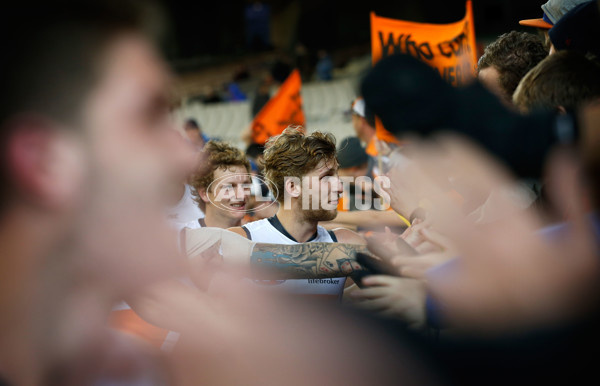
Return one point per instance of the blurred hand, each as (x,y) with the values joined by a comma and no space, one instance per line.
(403,176)
(393,297)
(511,277)
(387,245)
(416,267)
(430,249)
(255,332)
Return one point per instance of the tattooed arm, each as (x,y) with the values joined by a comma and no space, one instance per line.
(305,261)
(271,261)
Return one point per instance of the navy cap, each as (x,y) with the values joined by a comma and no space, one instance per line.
(578,30)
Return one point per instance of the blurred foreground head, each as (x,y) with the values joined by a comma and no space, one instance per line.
(408,96)
(87,150)
(411,98)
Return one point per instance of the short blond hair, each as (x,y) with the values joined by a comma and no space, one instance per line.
(294,154)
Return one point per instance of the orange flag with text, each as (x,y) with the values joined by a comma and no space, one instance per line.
(282,110)
(449,48)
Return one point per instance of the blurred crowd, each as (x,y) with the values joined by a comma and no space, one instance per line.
(459,246)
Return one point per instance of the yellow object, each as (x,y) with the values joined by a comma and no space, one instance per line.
(404,219)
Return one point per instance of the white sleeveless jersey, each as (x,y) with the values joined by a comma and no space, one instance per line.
(263,231)
(184,211)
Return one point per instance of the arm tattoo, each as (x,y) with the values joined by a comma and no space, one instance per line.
(306,260)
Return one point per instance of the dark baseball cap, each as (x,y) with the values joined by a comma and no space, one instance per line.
(578,30)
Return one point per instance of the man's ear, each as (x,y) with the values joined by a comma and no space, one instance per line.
(46,164)
(293,187)
(561,110)
(203,194)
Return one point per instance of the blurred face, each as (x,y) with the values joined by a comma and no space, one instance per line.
(324,183)
(135,153)
(229,192)
(119,240)
(358,123)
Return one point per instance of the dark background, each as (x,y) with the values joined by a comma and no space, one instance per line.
(216,28)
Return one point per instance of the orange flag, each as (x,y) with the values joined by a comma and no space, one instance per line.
(449,48)
(282,110)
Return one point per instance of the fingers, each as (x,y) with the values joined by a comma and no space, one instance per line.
(414,272)
(417,267)
(369,293)
(435,238)
(411,264)
(379,280)
(383,245)
(411,235)
(416,221)
(379,237)
(405,248)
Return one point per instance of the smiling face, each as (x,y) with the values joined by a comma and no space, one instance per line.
(227,196)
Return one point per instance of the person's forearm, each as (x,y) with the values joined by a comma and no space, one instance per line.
(370,218)
(162,304)
(305,261)
(272,261)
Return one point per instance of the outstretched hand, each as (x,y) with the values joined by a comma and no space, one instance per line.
(393,297)
(510,276)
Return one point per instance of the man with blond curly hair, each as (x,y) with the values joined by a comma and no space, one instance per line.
(301,171)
